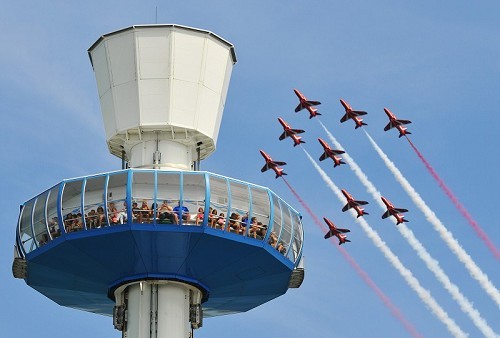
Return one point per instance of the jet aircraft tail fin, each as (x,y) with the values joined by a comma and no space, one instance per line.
(344,241)
(281,174)
(315,113)
(299,141)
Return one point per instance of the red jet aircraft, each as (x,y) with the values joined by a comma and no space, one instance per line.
(329,152)
(352,203)
(274,165)
(392,211)
(337,232)
(288,131)
(308,104)
(394,122)
(352,114)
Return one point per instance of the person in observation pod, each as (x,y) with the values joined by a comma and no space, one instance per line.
(91,219)
(212,217)
(122,215)
(145,213)
(221,221)
(54,227)
(234,223)
(182,212)
(101,217)
(112,213)
(136,215)
(200,216)
(166,214)
(254,230)
(244,219)
(273,239)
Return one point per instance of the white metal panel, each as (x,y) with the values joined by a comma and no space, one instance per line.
(154,53)
(136,155)
(184,101)
(121,51)
(126,106)
(187,55)
(216,62)
(225,87)
(108,114)
(154,101)
(222,102)
(101,69)
(177,153)
(217,123)
(208,107)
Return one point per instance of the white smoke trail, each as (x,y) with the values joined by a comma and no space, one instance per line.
(431,263)
(412,281)
(444,233)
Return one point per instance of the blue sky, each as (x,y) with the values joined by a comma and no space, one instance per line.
(435,63)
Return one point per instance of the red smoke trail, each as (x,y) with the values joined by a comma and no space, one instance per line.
(385,299)
(457,203)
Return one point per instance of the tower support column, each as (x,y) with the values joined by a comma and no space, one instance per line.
(160,154)
(157,309)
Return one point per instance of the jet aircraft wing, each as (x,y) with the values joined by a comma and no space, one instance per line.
(344,118)
(359,112)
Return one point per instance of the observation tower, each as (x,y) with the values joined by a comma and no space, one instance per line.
(159,245)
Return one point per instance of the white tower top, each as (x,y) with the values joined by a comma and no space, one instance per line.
(162,90)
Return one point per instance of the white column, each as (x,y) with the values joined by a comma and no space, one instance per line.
(173,311)
(172,155)
(139,310)
(158,309)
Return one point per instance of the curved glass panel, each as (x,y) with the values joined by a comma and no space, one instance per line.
(53,219)
(286,232)
(218,202)
(117,193)
(193,198)
(294,251)
(261,209)
(143,193)
(240,205)
(39,220)
(93,204)
(276,230)
(25,232)
(71,206)
(168,196)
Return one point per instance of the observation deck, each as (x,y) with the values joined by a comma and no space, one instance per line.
(239,243)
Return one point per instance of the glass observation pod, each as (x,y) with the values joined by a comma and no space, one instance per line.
(165,199)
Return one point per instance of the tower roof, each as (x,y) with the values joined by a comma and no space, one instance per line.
(233,53)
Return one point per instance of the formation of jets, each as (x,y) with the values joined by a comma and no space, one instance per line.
(328,152)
